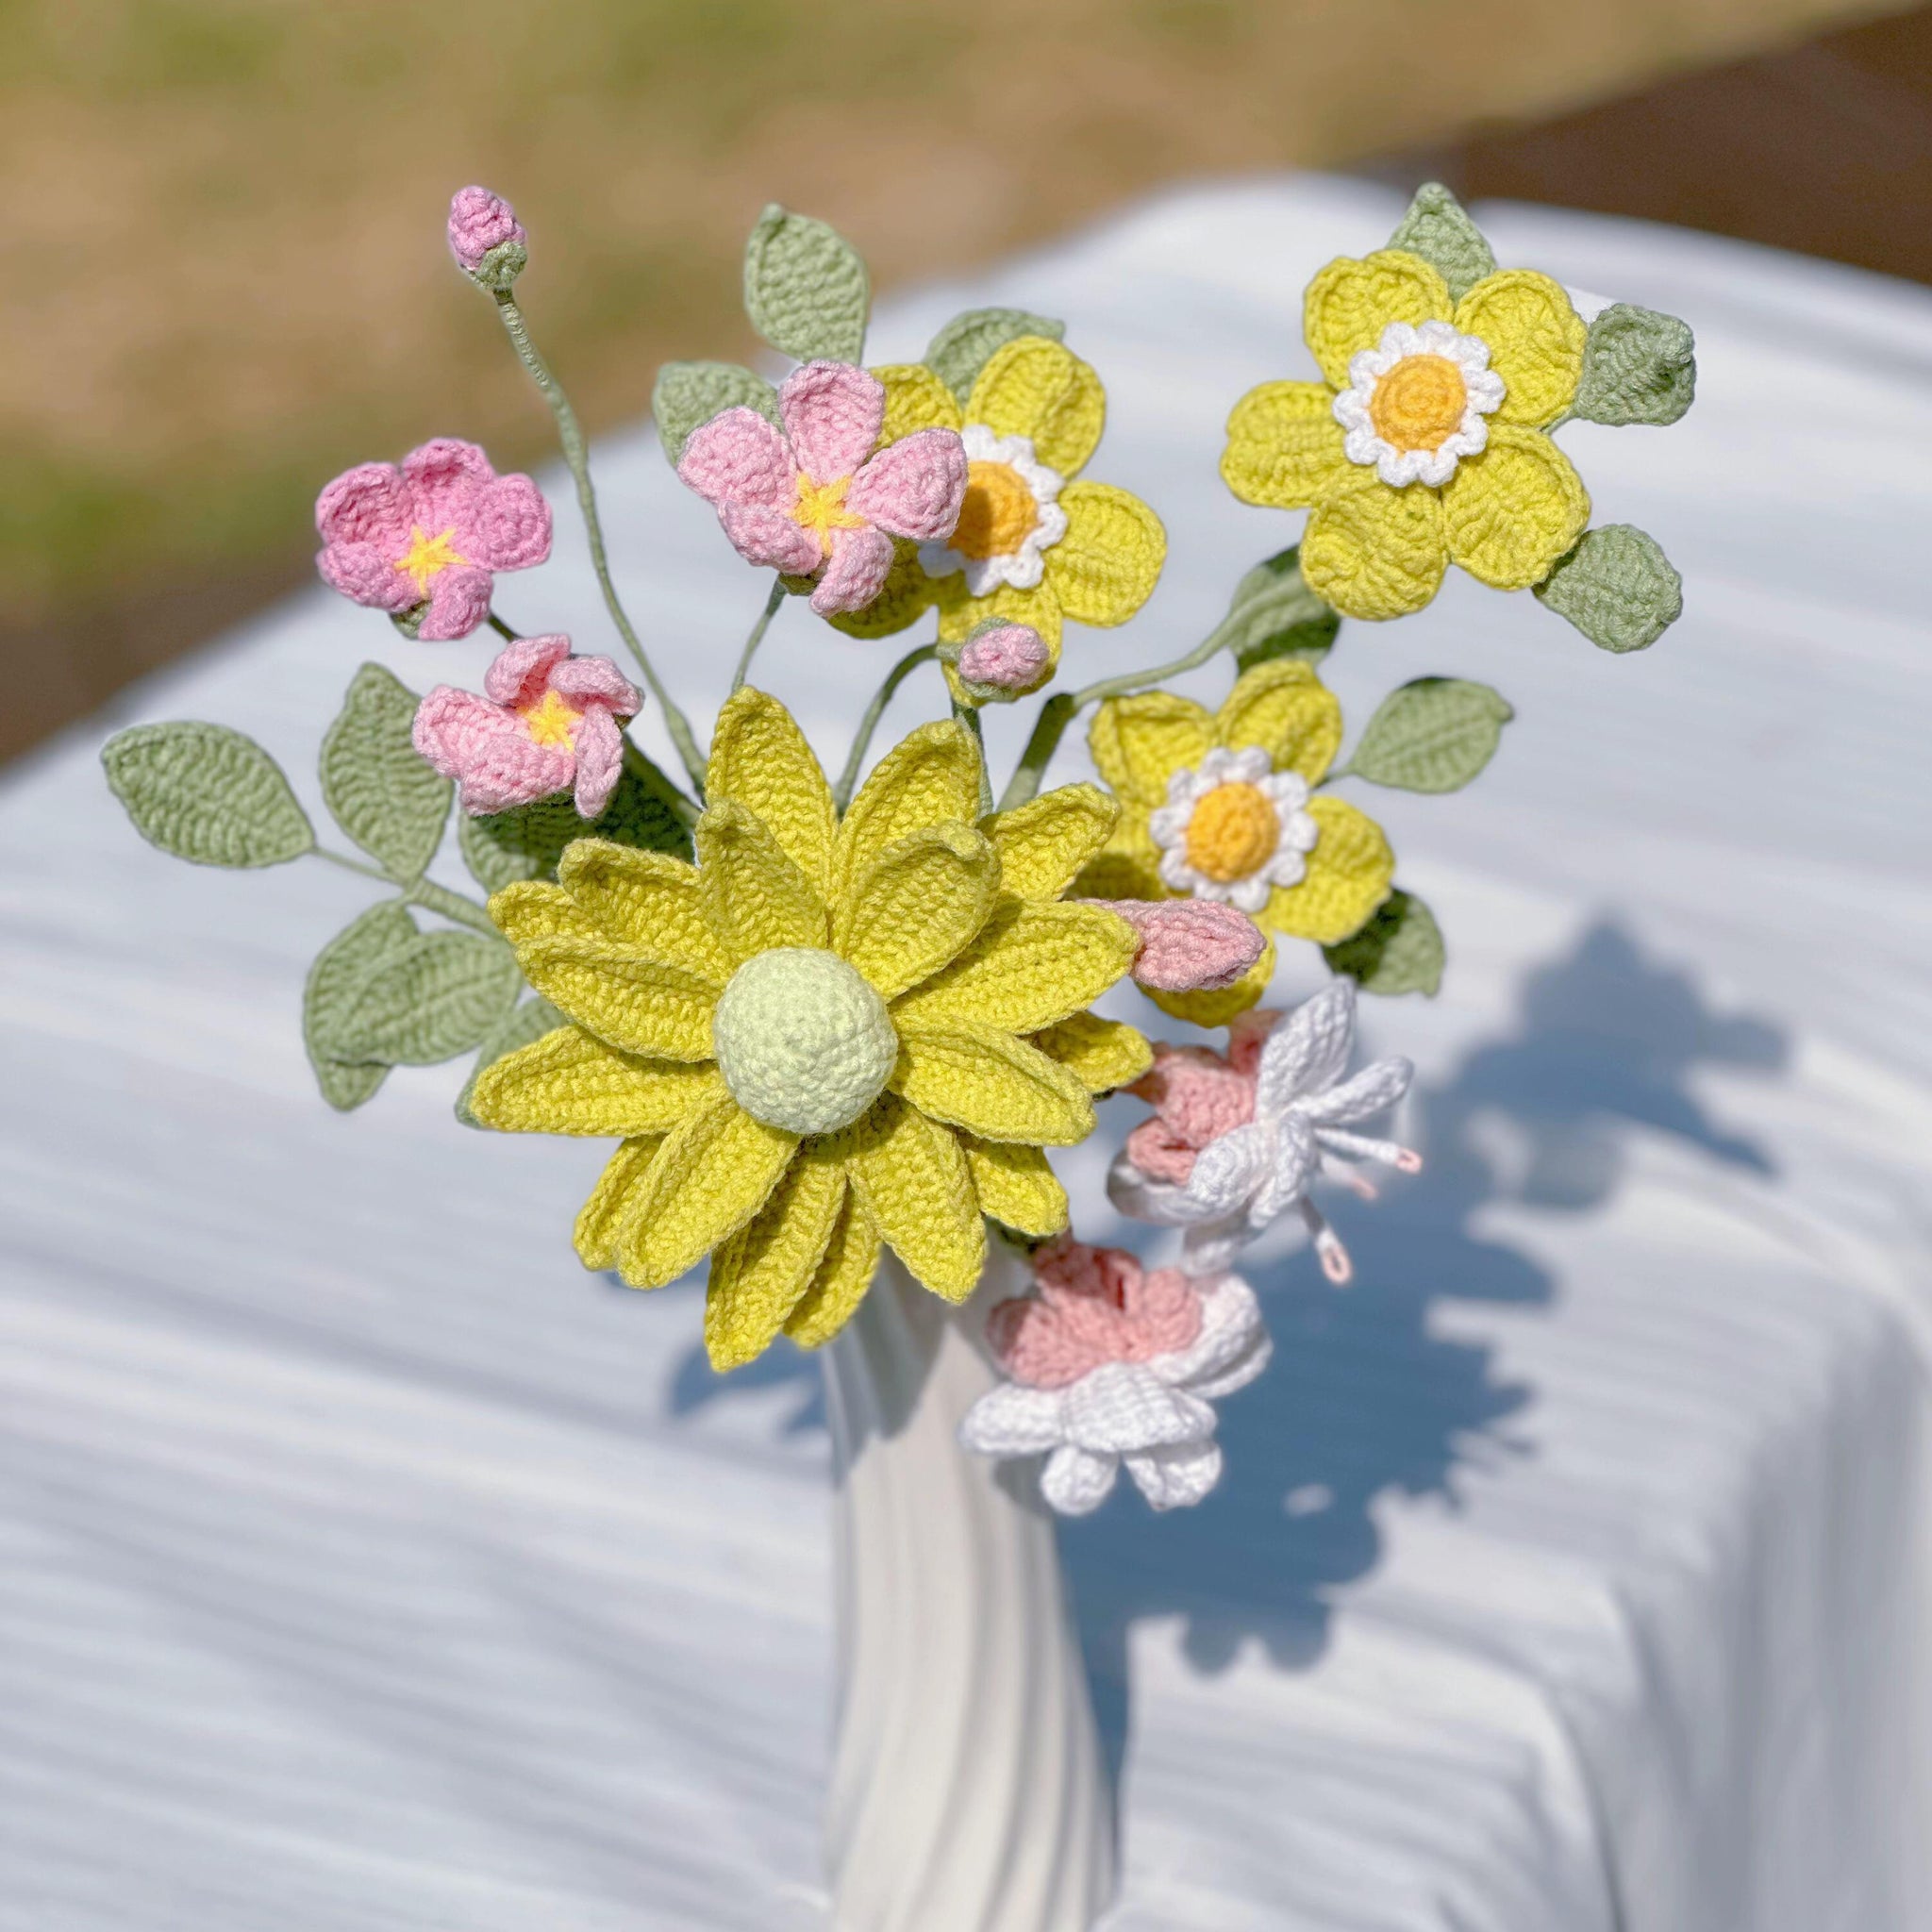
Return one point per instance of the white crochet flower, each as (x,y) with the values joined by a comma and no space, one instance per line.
(1233,829)
(1155,1416)
(1010,518)
(1416,402)
(1254,1173)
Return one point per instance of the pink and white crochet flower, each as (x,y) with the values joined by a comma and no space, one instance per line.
(814,500)
(1109,1364)
(548,721)
(430,534)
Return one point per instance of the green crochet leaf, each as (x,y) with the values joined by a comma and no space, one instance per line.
(1400,950)
(527,842)
(1274,614)
(1638,367)
(1617,587)
(1434,734)
(522,1025)
(966,344)
(1436,228)
(340,968)
(689,393)
(805,288)
(383,792)
(433,997)
(206,794)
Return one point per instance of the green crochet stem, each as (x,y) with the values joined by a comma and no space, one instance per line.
(571,437)
(848,778)
(1060,712)
(968,715)
(503,630)
(758,632)
(424,892)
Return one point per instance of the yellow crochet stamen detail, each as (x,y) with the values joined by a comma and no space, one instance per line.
(427,557)
(1232,833)
(999,513)
(1420,403)
(551,720)
(821,509)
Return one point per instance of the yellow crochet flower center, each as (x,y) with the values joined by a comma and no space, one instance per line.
(551,720)
(1420,403)
(1232,833)
(998,513)
(427,557)
(821,509)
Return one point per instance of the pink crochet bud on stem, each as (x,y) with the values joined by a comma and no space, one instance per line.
(1001,661)
(486,238)
(1189,945)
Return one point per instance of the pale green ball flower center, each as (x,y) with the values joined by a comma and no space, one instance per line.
(803,1040)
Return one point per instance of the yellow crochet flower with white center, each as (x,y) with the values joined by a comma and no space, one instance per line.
(1034,544)
(1222,806)
(1425,444)
(823,1036)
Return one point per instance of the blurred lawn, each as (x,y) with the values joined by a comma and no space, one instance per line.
(228,280)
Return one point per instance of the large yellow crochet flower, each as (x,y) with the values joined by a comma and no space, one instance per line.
(822,1036)
(1032,545)
(1425,444)
(1222,805)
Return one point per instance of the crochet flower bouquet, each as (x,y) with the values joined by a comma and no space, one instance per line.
(824,1019)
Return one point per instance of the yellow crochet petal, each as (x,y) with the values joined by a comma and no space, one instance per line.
(1031,966)
(1139,742)
(1285,711)
(851,1259)
(1016,1186)
(568,1082)
(906,594)
(1512,510)
(961,615)
(1105,567)
(1376,552)
(1129,869)
(648,902)
(910,1176)
(975,1077)
(754,896)
(929,777)
(1043,843)
(762,1273)
(919,907)
(1350,303)
(716,1169)
(916,399)
(1040,389)
(603,1215)
(1103,1054)
(760,759)
(1535,342)
(1283,446)
(1348,876)
(637,1004)
(535,910)
(1217,1008)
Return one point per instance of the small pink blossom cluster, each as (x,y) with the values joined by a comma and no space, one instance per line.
(1096,1305)
(486,238)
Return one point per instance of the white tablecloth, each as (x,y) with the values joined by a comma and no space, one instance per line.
(367,1566)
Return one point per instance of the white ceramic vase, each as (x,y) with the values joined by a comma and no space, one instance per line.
(969,1792)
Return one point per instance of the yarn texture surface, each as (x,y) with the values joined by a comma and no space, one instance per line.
(486,238)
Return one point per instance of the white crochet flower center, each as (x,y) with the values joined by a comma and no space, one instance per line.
(803,1040)
(1022,566)
(1285,863)
(1355,406)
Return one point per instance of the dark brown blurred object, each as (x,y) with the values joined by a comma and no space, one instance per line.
(1826,149)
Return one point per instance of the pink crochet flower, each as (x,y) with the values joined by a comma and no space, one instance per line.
(1188,945)
(430,534)
(1197,1096)
(815,500)
(1095,1306)
(547,720)
(478,222)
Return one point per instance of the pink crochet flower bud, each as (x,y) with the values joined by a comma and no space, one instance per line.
(1096,1305)
(1189,945)
(1002,661)
(486,238)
